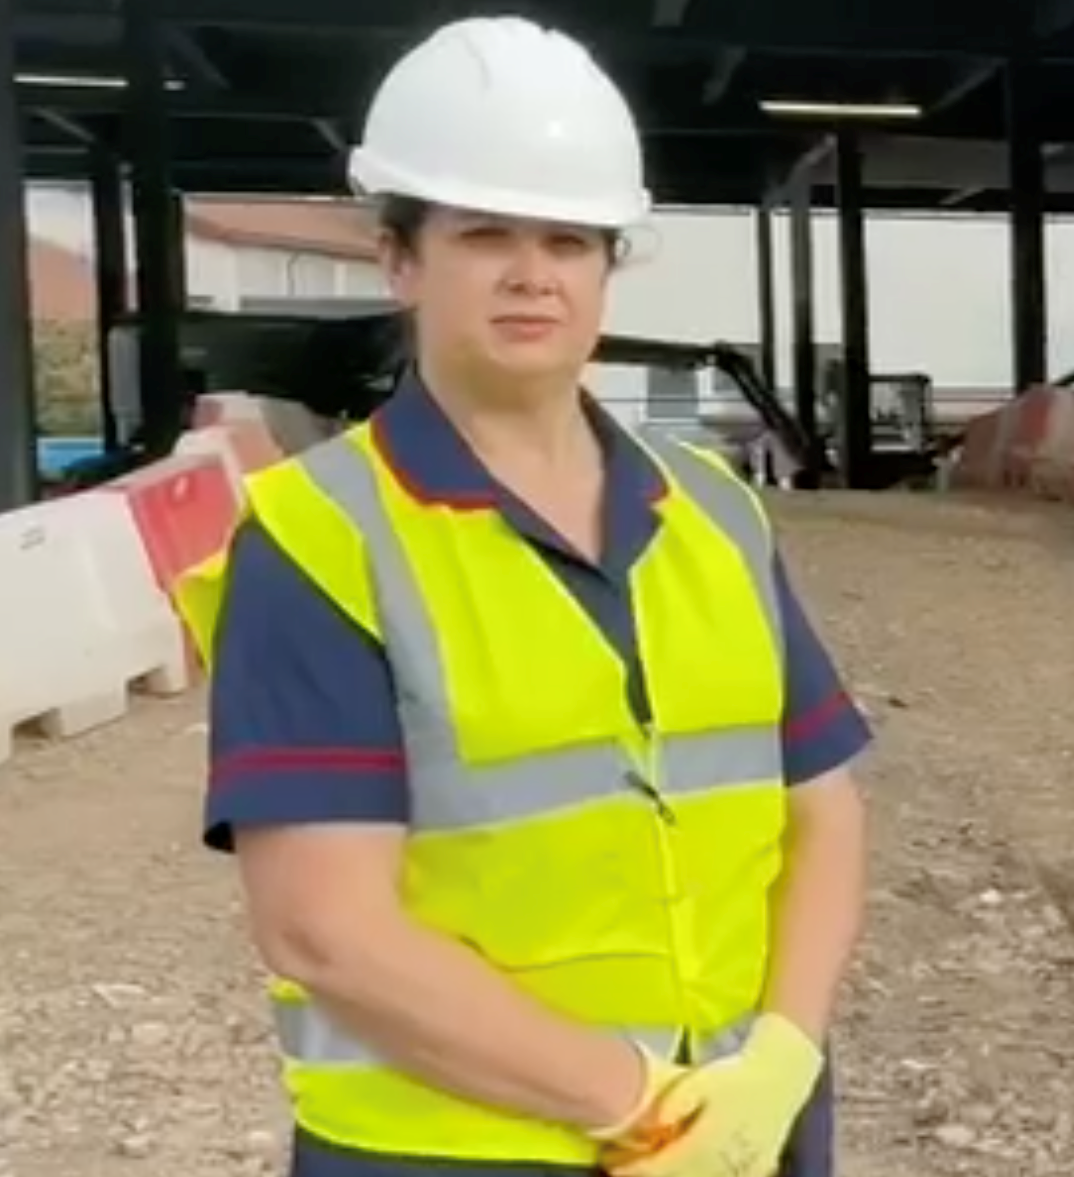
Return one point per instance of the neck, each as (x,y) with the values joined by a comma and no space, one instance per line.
(540,421)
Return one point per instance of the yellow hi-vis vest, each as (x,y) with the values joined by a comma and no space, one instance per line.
(620,875)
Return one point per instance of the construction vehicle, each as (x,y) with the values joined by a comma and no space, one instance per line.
(341,367)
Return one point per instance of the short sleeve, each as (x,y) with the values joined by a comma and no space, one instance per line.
(822,727)
(302,718)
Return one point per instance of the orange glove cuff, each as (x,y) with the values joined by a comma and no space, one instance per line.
(659,1076)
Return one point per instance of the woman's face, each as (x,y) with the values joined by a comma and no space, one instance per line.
(505,297)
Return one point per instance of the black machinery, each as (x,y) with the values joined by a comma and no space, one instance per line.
(342,368)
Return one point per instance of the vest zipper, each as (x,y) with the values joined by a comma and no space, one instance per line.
(664,811)
(649,782)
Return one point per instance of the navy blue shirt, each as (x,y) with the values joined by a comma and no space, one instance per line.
(304,727)
(303,721)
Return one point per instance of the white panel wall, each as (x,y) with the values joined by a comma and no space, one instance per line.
(277,273)
(693,278)
(939,287)
(360,280)
(309,275)
(262,271)
(938,292)
(212,274)
(621,388)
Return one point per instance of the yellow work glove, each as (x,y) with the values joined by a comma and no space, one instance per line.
(640,1123)
(735,1115)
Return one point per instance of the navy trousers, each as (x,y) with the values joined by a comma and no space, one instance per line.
(810,1153)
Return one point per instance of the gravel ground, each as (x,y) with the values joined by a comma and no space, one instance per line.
(132,1036)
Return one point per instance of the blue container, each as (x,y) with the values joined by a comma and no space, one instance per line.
(57,455)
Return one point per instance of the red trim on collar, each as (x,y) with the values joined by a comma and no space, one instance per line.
(458,502)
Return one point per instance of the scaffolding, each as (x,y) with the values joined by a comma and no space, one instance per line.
(778,104)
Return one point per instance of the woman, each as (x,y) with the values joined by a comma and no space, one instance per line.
(535,772)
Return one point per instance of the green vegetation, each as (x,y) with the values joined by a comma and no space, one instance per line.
(66,378)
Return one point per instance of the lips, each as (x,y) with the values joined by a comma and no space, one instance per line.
(525,327)
(525,321)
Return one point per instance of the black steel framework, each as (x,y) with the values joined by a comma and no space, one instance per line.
(111,275)
(855,400)
(265,96)
(18,466)
(766,295)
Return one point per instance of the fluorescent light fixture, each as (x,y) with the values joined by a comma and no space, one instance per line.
(83,81)
(841,110)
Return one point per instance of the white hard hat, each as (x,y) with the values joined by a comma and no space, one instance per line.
(499,115)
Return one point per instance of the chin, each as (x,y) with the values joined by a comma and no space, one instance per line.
(535,362)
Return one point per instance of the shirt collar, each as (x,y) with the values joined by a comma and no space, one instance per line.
(434,463)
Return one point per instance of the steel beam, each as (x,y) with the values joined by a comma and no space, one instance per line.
(159,297)
(855,401)
(766,294)
(331,132)
(700,124)
(669,13)
(18,441)
(68,126)
(803,292)
(110,256)
(1028,296)
(796,31)
(802,171)
(202,103)
(185,46)
(967,82)
(1052,17)
(725,68)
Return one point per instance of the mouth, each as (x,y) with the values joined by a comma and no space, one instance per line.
(525,326)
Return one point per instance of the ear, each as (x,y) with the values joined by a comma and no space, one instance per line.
(399,268)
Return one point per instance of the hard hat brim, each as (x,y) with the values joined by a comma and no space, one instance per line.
(370,176)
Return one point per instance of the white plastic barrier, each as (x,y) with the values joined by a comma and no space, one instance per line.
(248,433)
(1051,473)
(215,441)
(294,427)
(291,426)
(81,617)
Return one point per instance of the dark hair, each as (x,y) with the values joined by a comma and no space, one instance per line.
(402,218)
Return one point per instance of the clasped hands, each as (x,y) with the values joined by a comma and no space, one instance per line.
(728,1118)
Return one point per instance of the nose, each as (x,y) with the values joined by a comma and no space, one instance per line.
(531,270)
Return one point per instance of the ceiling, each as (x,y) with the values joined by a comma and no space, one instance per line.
(269,93)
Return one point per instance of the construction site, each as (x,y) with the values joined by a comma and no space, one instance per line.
(933,547)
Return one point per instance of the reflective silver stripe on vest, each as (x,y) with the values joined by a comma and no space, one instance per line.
(447,793)
(730,506)
(451,796)
(726,1042)
(307,1035)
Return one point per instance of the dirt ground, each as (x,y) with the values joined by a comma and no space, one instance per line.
(133,1038)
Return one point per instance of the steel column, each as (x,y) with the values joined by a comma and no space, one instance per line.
(1029,306)
(855,402)
(111,271)
(18,440)
(802,294)
(159,298)
(766,295)
(179,247)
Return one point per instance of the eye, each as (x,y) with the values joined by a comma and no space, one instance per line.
(484,234)
(571,243)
